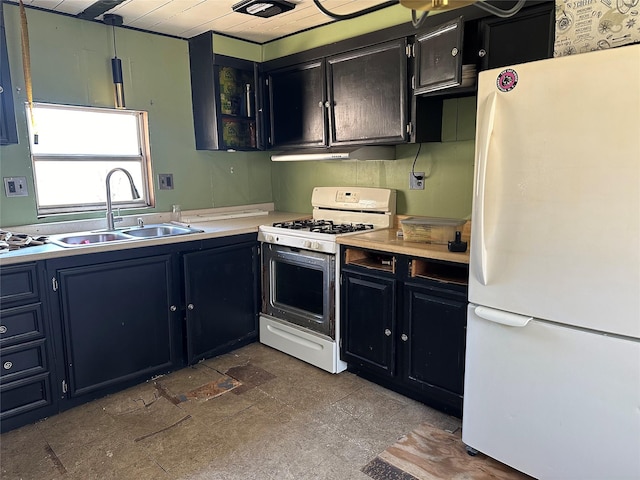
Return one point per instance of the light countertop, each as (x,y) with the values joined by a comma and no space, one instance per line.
(386,240)
(211,229)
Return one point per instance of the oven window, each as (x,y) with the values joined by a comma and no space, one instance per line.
(299,287)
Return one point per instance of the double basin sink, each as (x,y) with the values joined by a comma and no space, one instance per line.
(126,234)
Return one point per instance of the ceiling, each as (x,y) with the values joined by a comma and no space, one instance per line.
(187,18)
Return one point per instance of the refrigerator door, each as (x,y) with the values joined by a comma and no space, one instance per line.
(556,215)
(551,401)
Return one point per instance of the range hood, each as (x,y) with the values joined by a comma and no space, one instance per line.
(387,152)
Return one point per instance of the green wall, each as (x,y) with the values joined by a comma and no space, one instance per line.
(70,62)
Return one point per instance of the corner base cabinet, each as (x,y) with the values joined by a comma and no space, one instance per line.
(27,375)
(404,324)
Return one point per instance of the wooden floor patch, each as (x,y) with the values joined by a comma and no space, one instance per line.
(428,453)
(250,376)
(211,390)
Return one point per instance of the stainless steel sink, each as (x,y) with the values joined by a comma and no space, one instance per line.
(80,239)
(159,231)
(128,234)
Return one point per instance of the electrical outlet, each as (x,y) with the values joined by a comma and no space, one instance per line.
(165,181)
(15,186)
(416,183)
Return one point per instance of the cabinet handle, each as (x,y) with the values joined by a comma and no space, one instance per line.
(327,104)
(173,308)
(387,332)
(482,52)
(404,337)
(190,306)
(320,104)
(7,365)
(454,51)
(3,329)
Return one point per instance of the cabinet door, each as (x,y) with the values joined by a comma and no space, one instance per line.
(222,299)
(438,57)
(8,132)
(224,97)
(117,322)
(368,95)
(525,37)
(368,321)
(297,97)
(433,338)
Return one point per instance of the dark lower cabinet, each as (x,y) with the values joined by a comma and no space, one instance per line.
(433,339)
(76,328)
(368,301)
(403,323)
(221,297)
(27,373)
(120,322)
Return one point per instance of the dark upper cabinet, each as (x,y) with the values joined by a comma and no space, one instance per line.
(525,37)
(367,90)
(222,297)
(226,99)
(355,98)
(438,57)
(8,132)
(297,97)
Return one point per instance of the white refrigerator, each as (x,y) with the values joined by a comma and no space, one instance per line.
(552,376)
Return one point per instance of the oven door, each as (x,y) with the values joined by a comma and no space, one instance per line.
(299,287)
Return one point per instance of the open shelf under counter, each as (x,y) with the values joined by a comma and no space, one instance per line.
(386,240)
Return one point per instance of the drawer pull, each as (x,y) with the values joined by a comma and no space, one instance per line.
(3,329)
(7,365)
(387,332)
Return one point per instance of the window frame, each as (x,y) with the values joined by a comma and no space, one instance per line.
(143,159)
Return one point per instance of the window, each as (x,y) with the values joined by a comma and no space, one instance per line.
(74,148)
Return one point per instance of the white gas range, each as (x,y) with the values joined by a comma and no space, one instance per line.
(300,282)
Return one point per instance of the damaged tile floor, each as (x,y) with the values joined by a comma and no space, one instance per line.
(254,413)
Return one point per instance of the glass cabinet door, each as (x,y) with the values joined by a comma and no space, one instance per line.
(237,108)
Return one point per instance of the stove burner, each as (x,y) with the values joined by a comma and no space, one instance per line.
(324,226)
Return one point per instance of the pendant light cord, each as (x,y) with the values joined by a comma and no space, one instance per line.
(26,68)
(115,50)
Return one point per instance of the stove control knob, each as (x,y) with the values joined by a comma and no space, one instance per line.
(315,245)
(306,244)
(269,238)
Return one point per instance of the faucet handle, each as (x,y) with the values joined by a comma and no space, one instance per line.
(140,222)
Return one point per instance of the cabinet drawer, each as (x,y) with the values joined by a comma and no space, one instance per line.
(20,324)
(22,360)
(24,395)
(19,284)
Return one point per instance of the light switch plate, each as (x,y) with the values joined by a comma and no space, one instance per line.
(165,181)
(15,186)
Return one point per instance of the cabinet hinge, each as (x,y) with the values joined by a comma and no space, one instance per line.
(64,386)
(409,50)
(54,284)
(410,128)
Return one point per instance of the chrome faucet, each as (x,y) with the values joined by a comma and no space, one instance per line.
(134,193)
